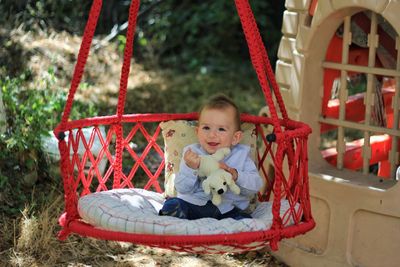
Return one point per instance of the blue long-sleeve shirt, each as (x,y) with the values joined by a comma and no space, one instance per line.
(188,184)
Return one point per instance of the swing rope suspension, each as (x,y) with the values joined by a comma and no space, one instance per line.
(285,147)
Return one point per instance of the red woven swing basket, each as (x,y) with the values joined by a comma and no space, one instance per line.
(286,149)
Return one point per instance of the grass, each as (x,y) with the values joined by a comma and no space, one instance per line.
(34,243)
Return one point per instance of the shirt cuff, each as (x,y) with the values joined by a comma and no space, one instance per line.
(186,170)
(240,179)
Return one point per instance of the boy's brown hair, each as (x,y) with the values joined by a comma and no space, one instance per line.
(222,102)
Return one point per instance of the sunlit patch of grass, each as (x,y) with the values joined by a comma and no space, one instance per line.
(31,240)
(35,241)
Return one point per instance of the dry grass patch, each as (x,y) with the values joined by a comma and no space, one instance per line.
(32,237)
(30,240)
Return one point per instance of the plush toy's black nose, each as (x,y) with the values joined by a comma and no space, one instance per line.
(220,191)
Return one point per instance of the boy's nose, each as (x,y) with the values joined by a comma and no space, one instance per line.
(213,133)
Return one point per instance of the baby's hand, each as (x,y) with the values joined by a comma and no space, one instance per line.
(232,171)
(191,159)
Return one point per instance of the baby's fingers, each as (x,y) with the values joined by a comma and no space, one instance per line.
(191,154)
(223,165)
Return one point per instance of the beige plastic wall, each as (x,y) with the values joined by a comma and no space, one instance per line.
(357,216)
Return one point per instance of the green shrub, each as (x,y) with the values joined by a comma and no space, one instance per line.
(30,114)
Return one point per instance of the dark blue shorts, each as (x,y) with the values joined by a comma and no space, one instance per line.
(179,208)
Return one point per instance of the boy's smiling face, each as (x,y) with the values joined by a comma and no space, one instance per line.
(217,128)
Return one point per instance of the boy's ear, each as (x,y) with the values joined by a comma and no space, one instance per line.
(196,129)
(237,136)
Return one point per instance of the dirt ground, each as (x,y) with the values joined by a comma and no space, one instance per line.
(30,240)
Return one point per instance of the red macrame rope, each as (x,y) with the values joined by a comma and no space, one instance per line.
(251,32)
(117,164)
(277,189)
(306,192)
(81,61)
(70,202)
(265,60)
(133,12)
(269,71)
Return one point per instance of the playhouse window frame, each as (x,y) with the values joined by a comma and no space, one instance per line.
(370,71)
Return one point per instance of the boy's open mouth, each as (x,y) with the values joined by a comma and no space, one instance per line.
(213,144)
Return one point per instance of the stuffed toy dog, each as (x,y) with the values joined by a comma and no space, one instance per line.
(217,180)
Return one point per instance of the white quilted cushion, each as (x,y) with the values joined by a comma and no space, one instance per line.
(136,211)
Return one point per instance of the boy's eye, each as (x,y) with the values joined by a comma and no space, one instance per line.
(206,128)
(221,129)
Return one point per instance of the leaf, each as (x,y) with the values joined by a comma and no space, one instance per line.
(11,142)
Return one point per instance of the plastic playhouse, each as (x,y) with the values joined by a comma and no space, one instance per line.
(339,72)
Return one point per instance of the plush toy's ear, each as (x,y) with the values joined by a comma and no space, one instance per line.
(206,186)
(232,185)
(234,188)
(227,177)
